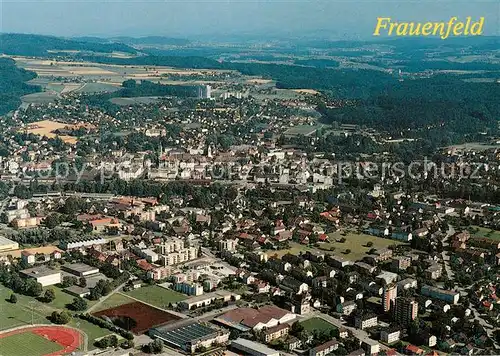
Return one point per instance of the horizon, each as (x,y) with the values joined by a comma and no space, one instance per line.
(206,20)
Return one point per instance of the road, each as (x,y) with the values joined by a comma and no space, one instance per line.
(445,254)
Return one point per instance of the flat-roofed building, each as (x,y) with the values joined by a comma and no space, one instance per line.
(7,245)
(80,269)
(43,275)
(208,298)
(442,294)
(253,348)
(191,336)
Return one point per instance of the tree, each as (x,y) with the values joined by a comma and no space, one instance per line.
(154,347)
(49,296)
(13,298)
(79,304)
(60,318)
(297,328)
(33,288)
(68,281)
(83,282)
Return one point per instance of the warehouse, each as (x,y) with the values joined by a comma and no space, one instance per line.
(7,245)
(253,348)
(80,269)
(43,275)
(191,336)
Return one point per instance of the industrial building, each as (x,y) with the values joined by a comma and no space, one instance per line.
(252,348)
(7,245)
(191,336)
(43,275)
(80,269)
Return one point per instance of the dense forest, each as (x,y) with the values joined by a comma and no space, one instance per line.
(130,89)
(37,45)
(147,88)
(13,86)
(444,109)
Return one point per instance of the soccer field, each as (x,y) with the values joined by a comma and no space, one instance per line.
(27,343)
(318,324)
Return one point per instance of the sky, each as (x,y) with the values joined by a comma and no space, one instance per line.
(191,19)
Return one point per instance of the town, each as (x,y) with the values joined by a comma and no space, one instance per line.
(204,209)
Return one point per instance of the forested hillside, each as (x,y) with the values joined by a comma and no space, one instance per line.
(37,45)
(13,86)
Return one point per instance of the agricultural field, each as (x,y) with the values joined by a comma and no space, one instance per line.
(318,324)
(39,98)
(27,343)
(157,296)
(47,128)
(97,88)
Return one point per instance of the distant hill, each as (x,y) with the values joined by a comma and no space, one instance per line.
(152,40)
(38,45)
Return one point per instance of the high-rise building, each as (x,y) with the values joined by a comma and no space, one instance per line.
(405,310)
(389,296)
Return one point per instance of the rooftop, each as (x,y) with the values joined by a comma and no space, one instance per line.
(255,346)
(80,267)
(40,271)
(182,335)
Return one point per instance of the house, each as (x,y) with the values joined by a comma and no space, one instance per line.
(413,350)
(275,332)
(100,225)
(401,263)
(427,339)
(364,268)
(435,271)
(407,283)
(292,343)
(346,308)
(339,261)
(293,285)
(320,282)
(28,257)
(324,349)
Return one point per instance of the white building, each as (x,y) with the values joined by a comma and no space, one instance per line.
(43,275)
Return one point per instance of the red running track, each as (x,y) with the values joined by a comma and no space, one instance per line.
(68,338)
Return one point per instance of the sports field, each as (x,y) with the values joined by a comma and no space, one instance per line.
(27,343)
(47,340)
(318,324)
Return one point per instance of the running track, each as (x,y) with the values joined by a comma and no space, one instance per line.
(68,338)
